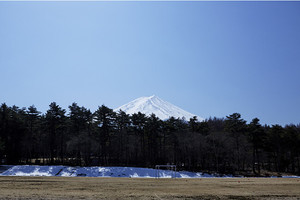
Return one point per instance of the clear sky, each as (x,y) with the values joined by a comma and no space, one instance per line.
(209,58)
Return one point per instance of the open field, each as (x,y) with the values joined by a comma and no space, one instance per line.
(138,188)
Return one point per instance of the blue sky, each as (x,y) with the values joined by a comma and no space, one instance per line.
(209,58)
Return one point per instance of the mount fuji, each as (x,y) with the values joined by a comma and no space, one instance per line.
(153,104)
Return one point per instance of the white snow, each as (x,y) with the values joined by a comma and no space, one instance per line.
(290,176)
(153,104)
(130,172)
(32,171)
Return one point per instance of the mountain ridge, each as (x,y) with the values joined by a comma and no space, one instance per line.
(153,104)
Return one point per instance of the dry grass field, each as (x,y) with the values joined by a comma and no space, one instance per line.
(138,188)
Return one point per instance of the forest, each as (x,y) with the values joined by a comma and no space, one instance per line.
(79,137)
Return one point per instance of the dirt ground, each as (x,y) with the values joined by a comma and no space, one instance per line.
(139,188)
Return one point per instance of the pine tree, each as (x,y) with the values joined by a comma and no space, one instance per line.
(139,121)
(153,130)
(256,136)
(236,127)
(55,127)
(32,137)
(123,127)
(105,121)
(80,142)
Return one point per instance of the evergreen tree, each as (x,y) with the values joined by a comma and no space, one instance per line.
(105,121)
(291,148)
(274,146)
(123,127)
(139,121)
(236,127)
(55,127)
(217,144)
(153,130)
(80,143)
(32,138)
(256,136)
(193,124)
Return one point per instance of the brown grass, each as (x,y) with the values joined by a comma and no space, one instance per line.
(138,188)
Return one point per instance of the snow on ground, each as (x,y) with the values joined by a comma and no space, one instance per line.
(132,172)
(129,172)
(27,170)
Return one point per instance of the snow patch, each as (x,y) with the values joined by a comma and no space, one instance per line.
(31,170)
(134,172)
(129,172)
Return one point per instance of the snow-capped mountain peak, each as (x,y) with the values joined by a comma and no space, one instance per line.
(153,104)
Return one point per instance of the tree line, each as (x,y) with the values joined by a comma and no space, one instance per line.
(80,137)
